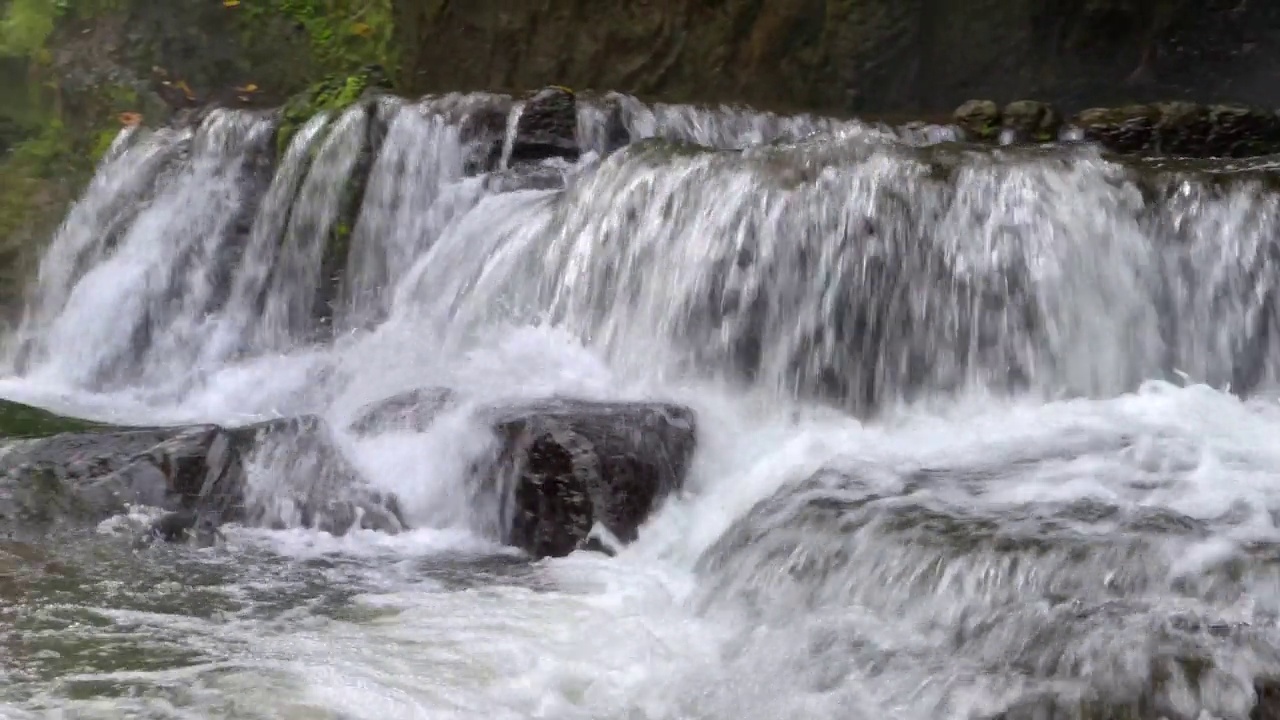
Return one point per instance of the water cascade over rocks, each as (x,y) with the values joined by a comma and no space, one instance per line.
(874,421)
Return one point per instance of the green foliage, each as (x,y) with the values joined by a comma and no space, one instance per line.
(27,24)
(342,35)
(24,421)
(334,92)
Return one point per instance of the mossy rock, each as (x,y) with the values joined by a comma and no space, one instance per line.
(1031,120)
(19,421)
(979,119)
(333,92)
(1184,129)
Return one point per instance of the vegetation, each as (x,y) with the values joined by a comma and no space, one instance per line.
(64,93)
(333,92)
(342,35)
(24,421)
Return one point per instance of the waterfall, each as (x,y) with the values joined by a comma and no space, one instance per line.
(804,257)
(982,432)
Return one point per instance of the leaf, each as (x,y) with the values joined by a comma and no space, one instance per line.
(130,119)
(362,29)
(186,89)
(250,88)
(230,3)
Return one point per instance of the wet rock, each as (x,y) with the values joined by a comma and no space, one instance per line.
(311,483)
(1184,129)
(603,121)
(566,465)
(199,472)
(1129,129)
(1031,121)
(979,119)
(526,176)
(184,526)
(88,477)
(547,127)
(413,410)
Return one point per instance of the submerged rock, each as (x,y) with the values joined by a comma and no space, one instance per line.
(184,526)
(566,465)
(526,176)
(413,410)
(1070,592)
(311,483)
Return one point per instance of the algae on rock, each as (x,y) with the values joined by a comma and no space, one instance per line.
(20,421)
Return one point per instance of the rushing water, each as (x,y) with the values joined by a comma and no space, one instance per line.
(966,444)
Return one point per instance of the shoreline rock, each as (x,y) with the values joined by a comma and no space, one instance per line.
(1179,129)
(562,469)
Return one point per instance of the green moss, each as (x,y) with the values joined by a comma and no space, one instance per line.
(340,35)
(24,421)
(332,93)
(27,25)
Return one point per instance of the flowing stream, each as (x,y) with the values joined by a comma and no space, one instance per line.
(984,433)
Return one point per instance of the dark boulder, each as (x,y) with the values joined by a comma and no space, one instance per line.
(561,467)
(547,127)
(412,410)
(90,476)
(565,465)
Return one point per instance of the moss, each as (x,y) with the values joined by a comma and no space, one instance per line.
(24,421)
(340,36)
(334,92)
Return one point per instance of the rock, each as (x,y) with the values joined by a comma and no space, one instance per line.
(603,121)
(184,526)
(525,176)
(565,465)
(309,482)
(413,410)
(1167,129)
(547,127)
(1031,121)
(979,119)
(88,477)
(198,471)
(1129,129)
(1183,129)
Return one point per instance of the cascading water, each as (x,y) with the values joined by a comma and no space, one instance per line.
(965,451)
